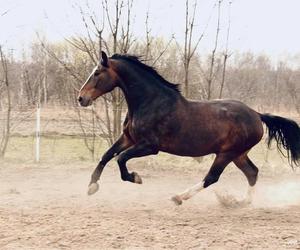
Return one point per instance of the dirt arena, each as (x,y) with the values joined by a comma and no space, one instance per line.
(47,208)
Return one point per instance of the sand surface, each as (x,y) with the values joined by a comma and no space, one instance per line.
(47,208)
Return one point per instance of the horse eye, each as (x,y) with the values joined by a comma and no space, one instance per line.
(97,73)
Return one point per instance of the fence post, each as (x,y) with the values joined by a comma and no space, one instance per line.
(38,128)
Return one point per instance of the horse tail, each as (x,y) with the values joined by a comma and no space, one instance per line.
(286,133)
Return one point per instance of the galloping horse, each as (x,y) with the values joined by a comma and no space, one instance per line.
(159,118)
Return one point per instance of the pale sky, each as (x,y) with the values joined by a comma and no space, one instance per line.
(268,26)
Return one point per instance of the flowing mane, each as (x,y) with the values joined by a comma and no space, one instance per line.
(137,61)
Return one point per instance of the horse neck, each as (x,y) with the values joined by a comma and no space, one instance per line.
(142,89)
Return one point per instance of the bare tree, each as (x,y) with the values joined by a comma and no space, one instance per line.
(5,81)
(93,43)
(225,54)
(126,40)
(189,49)
(213,55)
(291,83)
(89,145)
(148,38)
(119,45)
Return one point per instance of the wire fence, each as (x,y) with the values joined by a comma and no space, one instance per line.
(54,121)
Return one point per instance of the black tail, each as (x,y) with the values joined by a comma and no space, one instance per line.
(287,135)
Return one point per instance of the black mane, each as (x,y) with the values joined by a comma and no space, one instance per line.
(137,61)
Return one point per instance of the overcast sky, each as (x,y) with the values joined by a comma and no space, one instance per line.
(269,26)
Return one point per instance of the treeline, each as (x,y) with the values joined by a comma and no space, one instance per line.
(53,72)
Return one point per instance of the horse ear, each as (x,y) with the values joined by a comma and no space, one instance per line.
(104,59)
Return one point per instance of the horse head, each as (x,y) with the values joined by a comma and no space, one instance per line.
(103,79)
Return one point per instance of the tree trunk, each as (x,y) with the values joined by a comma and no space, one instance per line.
(6,132)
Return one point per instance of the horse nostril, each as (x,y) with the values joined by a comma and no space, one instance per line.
(79,98)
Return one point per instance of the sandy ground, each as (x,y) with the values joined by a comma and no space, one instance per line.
(47,208)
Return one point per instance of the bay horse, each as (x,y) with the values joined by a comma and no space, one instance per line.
(159,118)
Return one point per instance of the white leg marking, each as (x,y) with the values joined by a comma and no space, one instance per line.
(188,193)
(93,188)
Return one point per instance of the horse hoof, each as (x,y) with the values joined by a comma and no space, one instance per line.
(93,188)
(137,179)
(177,200)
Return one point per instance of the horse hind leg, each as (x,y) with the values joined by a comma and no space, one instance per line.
(250,171)
(248,168)
(213,175)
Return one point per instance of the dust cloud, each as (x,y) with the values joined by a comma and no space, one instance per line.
(278,194)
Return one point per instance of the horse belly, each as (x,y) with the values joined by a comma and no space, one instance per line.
(189,145)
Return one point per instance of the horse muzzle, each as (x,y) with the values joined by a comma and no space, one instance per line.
(84,102)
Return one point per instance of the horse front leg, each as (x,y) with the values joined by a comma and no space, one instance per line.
(120,145)
(137,150)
